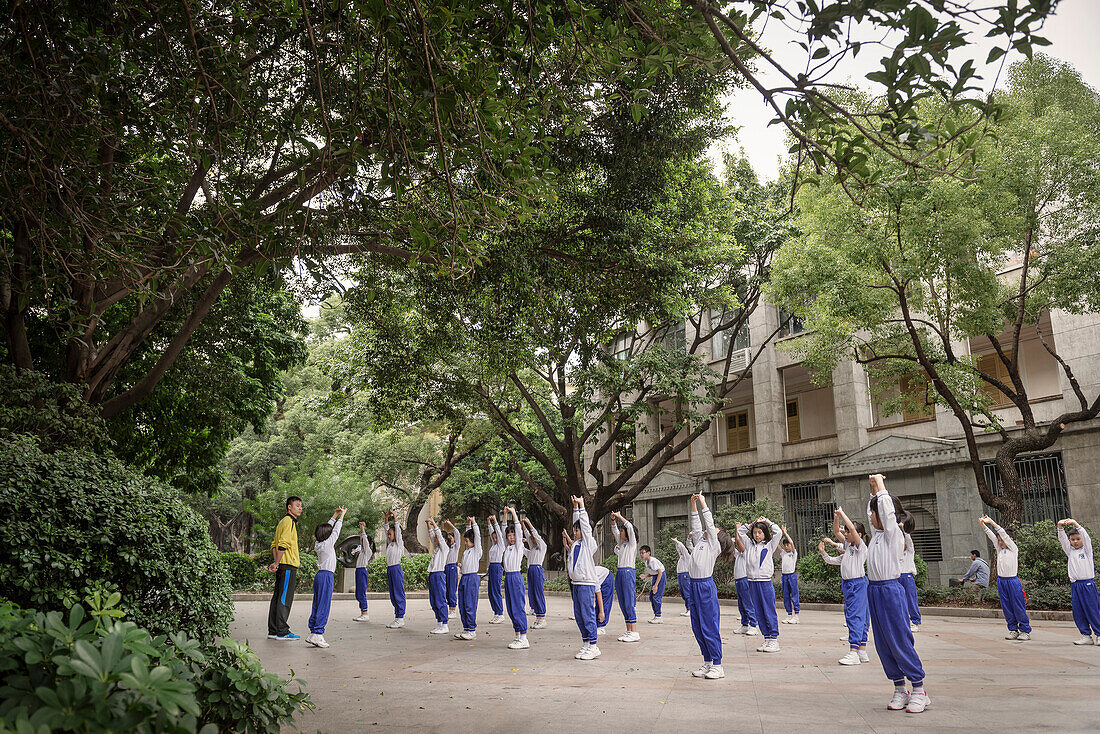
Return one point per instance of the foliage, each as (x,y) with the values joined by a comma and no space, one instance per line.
(80,523)
(1042,560)
(1049,596)
(415,568)
(727,516)
(813,570)
(242,569)
(89,670)
(54,414)
(306,571)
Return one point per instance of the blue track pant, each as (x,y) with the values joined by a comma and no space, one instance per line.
(762,594)
(790,593)
(685,588)
(657,595)
(607,594)
(361,581)
(584,611)
(516,596)
(437,595)
(1086,606)
(893,640)
(323,582)
(451,569)
(856,613)
(395,580)
(494,579)
(467,600)
(912,604)
(744,602)
(536,589)
(626,580)
(1013,603)
(706,619)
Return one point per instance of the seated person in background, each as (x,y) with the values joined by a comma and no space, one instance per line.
(978,571)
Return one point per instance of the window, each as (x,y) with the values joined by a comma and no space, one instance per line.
(916,391)
(1043,483)
(735,497)
(721,343)
(789,324)
(992,365)
(794,425)
(674,336)
(926,534)
(620,345)
(809,510)
(626,447)
(738,430)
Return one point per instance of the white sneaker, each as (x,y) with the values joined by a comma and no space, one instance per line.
(396,624)
(864,657)
(452,612)
(601,630)
(1012,635)
(771,645)
(572,618)
(752,632)
(655,620)
(914,627)
(519,644)
(685,613)
(701,672)
(763,645)
(788,620)
(539,624)
(440,630)
(364,617)
(588,653)
(1098,640)
(594,651)
(469,635)
(272,637)
(899,701)
(1085,640)
(1024,637)
(852,658)
(743,629)
(630,637)
(497,619)
(317,640)
(918,702)
(715,672)
(794,620)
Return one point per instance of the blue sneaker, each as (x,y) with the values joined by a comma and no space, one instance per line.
(288,636)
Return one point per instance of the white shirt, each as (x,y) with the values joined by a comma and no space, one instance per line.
(326,549)
(683,563)
(1008,559)
(653,566)
(760,557)
(1080,565)
(602,572)
(788,562)
(396,549)
(513,554)
(707,548)
(455,547)
(740,565)
(625,550)
(363,553)
(887,545)
(537,554)
(439,552)
(909,556)
(851,560)
(582,569)
(496,550)
(471,557)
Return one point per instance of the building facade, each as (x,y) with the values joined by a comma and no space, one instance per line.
(811,447)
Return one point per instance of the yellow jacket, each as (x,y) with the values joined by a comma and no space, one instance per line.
(286,538)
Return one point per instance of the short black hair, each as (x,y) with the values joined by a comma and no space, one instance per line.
(646,548)
(322,532)
(976,552)
(292,498)
(469,534)
(764,527)
(909,524)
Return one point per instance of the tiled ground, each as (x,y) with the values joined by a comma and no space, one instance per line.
(408,680)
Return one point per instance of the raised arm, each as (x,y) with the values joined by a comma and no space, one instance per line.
(849,526)
(397,539)
(831,560)
(884,506)
(695,524)
(708,520)
(580,514)
(738,543)
(985,522)
(681,549)
(836,525)
(631,537)
(777,535)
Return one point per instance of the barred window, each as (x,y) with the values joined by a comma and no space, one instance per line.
(926,535)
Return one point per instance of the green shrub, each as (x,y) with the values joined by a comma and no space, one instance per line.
(54,415)
(726,516)
(1048,596)
(921,576)
(307,569)
(813,570)
(415,568)
(76,523)
(93,671)
(243,570)
(813,592)
(558,583)
(1042,559)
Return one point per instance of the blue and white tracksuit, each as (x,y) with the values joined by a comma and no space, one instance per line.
(853,583)
(1009,588)
(495,574)
(706,615)
(626,576)
(536,574)
(469,582)
(451,569)
(683,565)
(437,576)
(760,567)
(362,558)
(582,572)
(744,592)
(788,563)
(395,575)
(655,568)
(1082,587)
(909,579)
(607,595)
(324,579)
(515,594)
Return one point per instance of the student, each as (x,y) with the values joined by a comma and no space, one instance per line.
(514,593)
(395,575)
(626,576)
(683,578)
(362,558)
(909,574)
(655,570)
(1009,588)
(582,574)
(470,582)
(706,615)
(495,575)
(605,598)
(437,577)
(760,539)
(741,585)
(284,549)
(788,566)
(454,544)
(886,601)
(326,534)
(853,583)
(536,575)
(1082,579)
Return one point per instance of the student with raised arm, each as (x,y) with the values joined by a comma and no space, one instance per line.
(494,577)
(741,585)
(1082,579)
(788,566)
(655,570)
(853,583)
(362,558)
(1009,588)
(760,539)
(683,578)
(886,600)
(469,582)
(395,575)
(515,595)
(909,574)
(626,576)
(536,575)
(437,576)
(326,534)
(582,573)
(706,615)
(454,542)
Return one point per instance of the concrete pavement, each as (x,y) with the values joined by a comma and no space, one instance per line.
(410,681)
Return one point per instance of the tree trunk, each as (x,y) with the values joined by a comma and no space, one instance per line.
(408,531)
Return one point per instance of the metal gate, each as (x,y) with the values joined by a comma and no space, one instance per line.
(1043,482)
(809,510)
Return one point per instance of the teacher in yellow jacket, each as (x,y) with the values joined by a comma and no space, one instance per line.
(284,547)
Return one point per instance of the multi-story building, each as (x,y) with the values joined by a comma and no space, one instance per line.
(811,448)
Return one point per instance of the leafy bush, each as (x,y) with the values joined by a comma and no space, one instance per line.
(1048,596)
(1042,559)
(415,568)
(95,672)
(921,576)
(812,592)
(726,516)
(813,570)
(306,571)
(558,583)
(243,570)
(77,523)
(54,415)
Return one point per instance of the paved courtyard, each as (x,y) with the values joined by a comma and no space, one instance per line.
(410,681)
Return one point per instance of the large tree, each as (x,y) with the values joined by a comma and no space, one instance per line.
(926,267)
